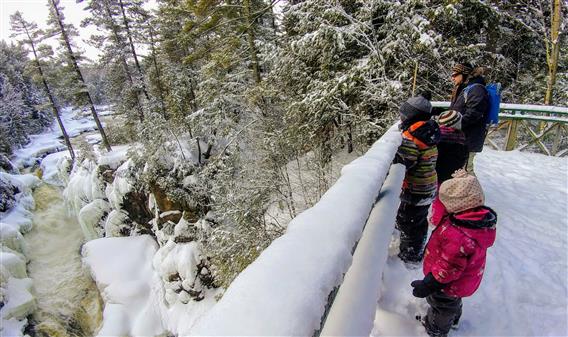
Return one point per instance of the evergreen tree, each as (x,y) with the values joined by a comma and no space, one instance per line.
(56,20)
(21,111)
(123,90)
(32,37)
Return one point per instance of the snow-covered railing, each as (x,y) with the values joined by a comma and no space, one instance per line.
(353,310)
(286,289)
(545,125)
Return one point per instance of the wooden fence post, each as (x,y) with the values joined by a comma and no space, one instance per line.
(512,135)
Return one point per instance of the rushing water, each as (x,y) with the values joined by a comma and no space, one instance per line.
(68,301)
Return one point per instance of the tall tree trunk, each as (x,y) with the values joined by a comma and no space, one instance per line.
(132,49)
(73,60)
(553,50)
(126,69)
(158,74)
(50,96)
(251,38)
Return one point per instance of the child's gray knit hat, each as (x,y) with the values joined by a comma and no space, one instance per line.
(415,106)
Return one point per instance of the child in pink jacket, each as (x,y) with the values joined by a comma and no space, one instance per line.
(454,259)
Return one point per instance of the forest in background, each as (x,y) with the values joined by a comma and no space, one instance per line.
(217,98)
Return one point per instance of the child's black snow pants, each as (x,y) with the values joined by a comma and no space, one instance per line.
(444,311)
(412,223)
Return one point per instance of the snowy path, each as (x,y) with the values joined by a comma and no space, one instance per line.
(524,290)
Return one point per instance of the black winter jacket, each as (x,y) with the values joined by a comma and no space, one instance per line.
(452,153)
(474,112)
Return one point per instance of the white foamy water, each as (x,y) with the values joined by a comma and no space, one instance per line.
(67,300)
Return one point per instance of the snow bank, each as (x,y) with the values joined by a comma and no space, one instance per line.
(284,291)
(20,215)
(122,269)
(51,141)
(54,168)
(15,286)
(114,158)
(179,311)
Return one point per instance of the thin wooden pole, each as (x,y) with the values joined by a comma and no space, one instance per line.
(414,80)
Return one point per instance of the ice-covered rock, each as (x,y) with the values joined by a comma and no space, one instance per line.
(90,216)
(115,223)
(19,301)
(85,185)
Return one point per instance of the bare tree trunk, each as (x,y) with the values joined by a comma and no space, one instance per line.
(251,38)
(553,51)
(73,60)
(132,49)
(50,96)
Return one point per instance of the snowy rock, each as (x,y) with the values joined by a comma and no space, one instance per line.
(7,194)
(127,283)
(90,216)
(84,186)
(7,165)
(19,300)
(11,237)
(180,260)
(14,264)
(55,168)
(120,186)
(116,224)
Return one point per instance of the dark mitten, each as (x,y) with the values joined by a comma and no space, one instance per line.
(425,287)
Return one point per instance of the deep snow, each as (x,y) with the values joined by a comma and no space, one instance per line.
(524,289)
(524,292)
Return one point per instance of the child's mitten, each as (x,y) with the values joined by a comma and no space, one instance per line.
(426,287)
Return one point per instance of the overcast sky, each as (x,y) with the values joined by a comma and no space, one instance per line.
(37,11)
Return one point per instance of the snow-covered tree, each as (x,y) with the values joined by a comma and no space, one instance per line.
(21,112)
(57,22)
(32,36)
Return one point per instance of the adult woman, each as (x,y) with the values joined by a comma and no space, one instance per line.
(470,98)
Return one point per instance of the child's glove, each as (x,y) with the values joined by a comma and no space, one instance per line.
(426,287)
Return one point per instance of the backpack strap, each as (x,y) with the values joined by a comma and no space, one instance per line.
(467,89)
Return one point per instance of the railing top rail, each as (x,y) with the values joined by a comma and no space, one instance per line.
(518,107)
(551,119)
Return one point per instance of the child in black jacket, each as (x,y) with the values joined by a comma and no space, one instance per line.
(452,150)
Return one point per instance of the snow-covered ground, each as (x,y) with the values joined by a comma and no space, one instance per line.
(524,292)
(16,293)
(524,289)
(51,140)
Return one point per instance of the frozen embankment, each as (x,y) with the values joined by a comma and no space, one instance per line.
(16,219)
(41,274)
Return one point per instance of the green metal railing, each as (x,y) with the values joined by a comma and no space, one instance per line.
(546,128)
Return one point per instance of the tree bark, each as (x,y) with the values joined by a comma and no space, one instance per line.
(553,52)
(158,74)
(251,38)
(50,96)
(120,44)
(73,60)
(132,49)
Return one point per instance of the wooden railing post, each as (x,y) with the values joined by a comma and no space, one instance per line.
(556,141)
(512,135)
